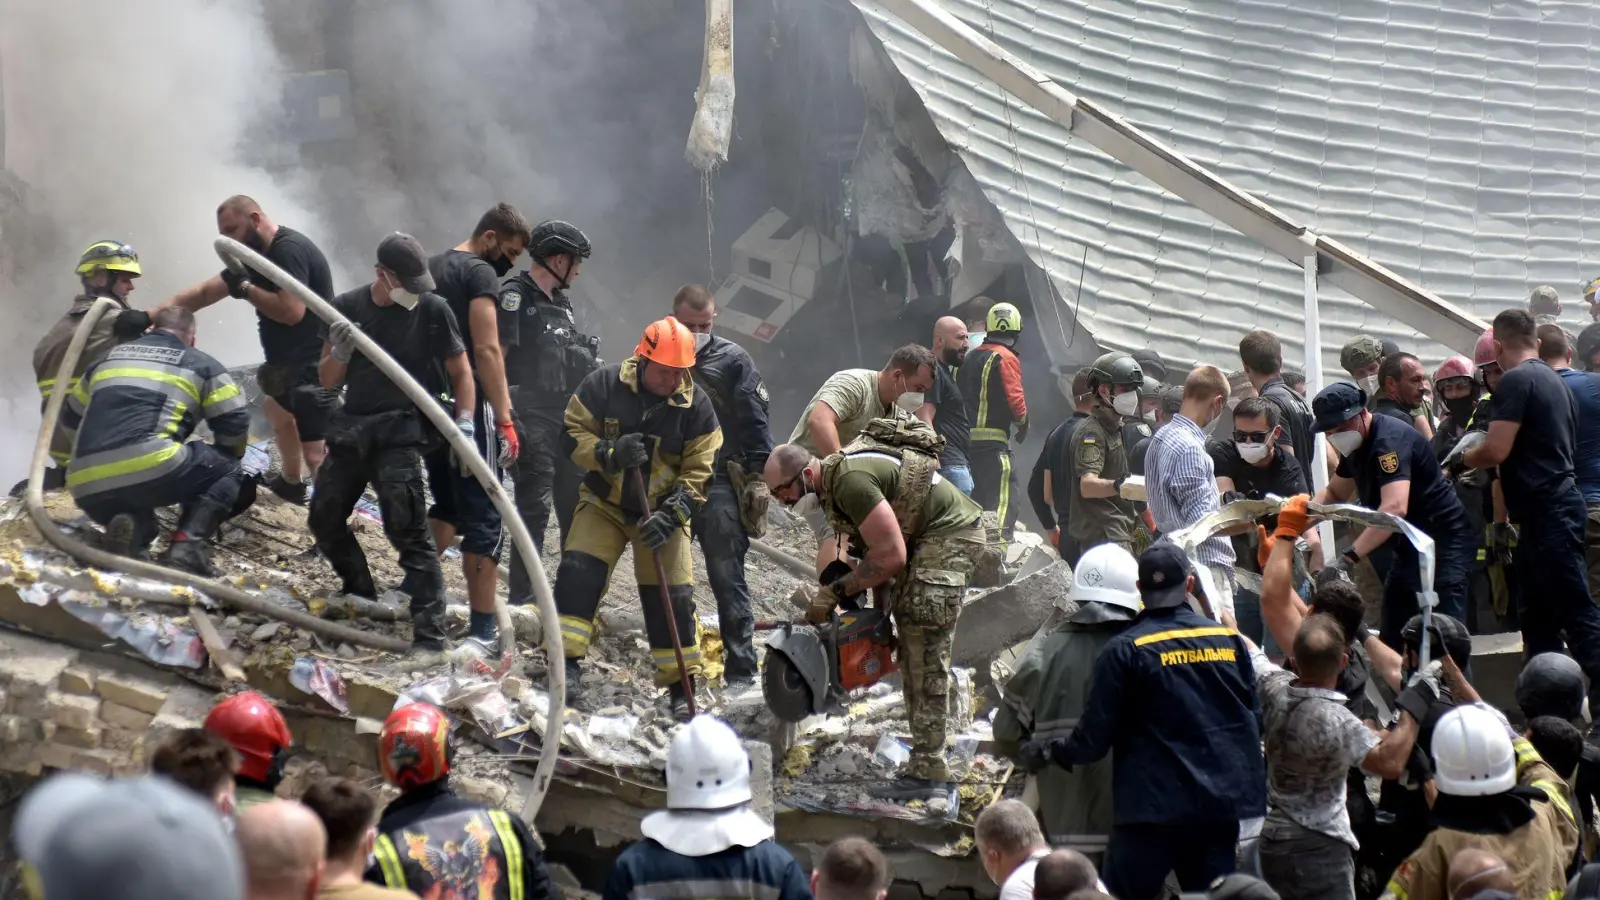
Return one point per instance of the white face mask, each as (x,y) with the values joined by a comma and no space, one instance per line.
(1150,417)
(1346,442)
(808,504)
(910,401)
(1126,404)
(1368,384)
(402,297)
(1251,453)
(701,339)
(975,339)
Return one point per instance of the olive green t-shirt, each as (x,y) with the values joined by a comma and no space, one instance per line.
(859,481)
(1097,450)
(853,396)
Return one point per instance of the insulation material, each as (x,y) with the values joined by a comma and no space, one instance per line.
(712,127)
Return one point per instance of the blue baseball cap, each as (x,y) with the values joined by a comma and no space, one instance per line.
(1337,404)
(1164,576)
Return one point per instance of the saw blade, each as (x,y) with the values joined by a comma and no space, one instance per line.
(785,690)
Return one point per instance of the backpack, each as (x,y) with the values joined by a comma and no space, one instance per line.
(917,446)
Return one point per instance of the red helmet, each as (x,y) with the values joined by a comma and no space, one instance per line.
(1483,354)
(1455,367)
(412,748)
(254,728)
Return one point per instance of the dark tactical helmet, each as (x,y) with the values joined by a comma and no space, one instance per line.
(1551,684)
(1449,636)
(1149,388)
(1116,369)
(553,237)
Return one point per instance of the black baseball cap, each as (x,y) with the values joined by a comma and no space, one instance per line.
(1163,576)
(1337,404)
(403,255)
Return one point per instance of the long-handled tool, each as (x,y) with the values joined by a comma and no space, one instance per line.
(666,604)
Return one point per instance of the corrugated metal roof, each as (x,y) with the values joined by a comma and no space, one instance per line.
(1451,145)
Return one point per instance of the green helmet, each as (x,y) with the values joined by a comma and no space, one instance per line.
(1150,388)
(1116,369)
(1003,318)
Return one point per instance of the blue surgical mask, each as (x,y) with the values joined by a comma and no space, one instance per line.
(975,338)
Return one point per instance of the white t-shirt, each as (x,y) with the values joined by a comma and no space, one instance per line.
(1019,884)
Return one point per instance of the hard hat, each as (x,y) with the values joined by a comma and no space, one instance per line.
(412,747)
(1472,753)
(254,728)
(1455,367)
(1108,574)
(1003,318)
(553,236)
(1149,387)
(1449,636)
(667,342)
(1116,368)
(707,767)
(1483,353)
(1551,684)
(109,256)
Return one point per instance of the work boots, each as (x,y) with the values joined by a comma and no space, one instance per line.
(574,682)
(680,700)
(292,491)
(124,539)
(188,548)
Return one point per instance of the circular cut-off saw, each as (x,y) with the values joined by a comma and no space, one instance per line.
(811,669)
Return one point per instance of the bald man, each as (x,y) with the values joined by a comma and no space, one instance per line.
(945,410)
(283,844)
(1474,871)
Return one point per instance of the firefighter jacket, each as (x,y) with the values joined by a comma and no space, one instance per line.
(132,412)
(546,356)
(1174,697)
(437,844)
(728,377)
(681,436)
(990,379)
(763,872)
(52,348)
(1043,701)
(1537,852)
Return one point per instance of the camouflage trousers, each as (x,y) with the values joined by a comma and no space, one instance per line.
(925,602)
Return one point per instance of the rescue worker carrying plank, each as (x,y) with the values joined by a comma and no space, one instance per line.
(131,416)
(922,538)
(737,500)
(991,382)
(106,269)
(435,843)
(642,413)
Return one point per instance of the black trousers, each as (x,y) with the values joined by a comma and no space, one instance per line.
(361,456)
(1140,856)
(545,480)
(994,484)
(1555,585)
(208,474)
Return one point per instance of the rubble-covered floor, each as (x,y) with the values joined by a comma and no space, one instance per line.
(825,764)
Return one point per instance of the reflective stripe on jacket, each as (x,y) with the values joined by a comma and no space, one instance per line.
(990,379)
(52,348)
(131,413)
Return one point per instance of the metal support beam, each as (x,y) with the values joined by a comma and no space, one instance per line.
(1366,280)
(1319,452)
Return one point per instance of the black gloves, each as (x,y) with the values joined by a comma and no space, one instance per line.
(626,452)
(1034,756)
(130,324)
(1417,698)
(237,282)
(674,513)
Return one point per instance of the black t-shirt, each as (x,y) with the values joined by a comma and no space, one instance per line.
(950,417)
(460,277)
(301,342)
(1540,465)
(1295,416)
(1281,476)
(419,339)
(1388,406)
(1395,451)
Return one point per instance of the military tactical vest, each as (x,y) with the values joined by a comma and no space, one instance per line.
(473,853)
(916,445)
(561,355)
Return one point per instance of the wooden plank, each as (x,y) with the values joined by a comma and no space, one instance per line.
(221,656)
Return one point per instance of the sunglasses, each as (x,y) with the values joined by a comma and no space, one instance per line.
(1251,437)
(791,482)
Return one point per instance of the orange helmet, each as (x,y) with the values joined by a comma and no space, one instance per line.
(254,728)
(412,748)
(667,342)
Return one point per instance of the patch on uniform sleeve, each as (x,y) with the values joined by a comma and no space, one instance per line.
(1143,429)
(511,301)
(761,392)
(612,429)
(1389,463)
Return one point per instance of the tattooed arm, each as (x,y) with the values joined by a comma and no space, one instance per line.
(886,551)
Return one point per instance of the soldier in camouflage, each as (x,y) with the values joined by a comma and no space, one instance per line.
(915,533)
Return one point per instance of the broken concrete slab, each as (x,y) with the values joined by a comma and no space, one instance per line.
(1008,615)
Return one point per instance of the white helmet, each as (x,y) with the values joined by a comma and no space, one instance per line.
(707,767)
(1472,753)
(1108,574)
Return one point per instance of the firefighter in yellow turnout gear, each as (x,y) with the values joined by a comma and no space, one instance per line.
(643,413)
(991,382)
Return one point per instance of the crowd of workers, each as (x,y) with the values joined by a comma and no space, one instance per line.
(1247,689)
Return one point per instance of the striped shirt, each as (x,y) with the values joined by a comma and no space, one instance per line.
(1181,488)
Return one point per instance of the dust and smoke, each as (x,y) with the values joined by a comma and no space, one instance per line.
(134,124)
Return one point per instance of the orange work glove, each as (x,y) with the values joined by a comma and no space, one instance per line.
(1293,519)
(1265,544)
(1054,537)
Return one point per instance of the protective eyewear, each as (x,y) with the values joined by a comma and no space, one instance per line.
(791,482)
(1251,437)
